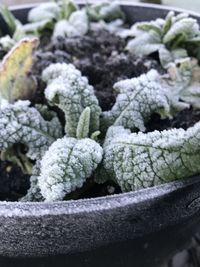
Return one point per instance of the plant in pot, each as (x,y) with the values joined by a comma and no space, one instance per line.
(91,107)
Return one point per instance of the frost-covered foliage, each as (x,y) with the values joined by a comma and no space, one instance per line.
(22,124)
(105,11)
(76,25)
(141,160)
(63,18)
(169,37)
(70,91)
(66,165)
(138,98)
(26,133)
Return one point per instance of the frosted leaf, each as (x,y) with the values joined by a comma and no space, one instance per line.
(115,26)
(137,100)
(44,11)
(70,91)
(145,44)
(141,160)
(168,37)
(66,166)
(6,43)
(83,127)
(105,11)
(167,57)
(150,93)
(34,193)
(77,25)
(184,82)
(21,124)
(188,27)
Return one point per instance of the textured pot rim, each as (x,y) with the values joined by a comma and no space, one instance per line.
(122,3)
(105,202)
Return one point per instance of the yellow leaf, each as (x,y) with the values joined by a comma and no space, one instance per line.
(15,81)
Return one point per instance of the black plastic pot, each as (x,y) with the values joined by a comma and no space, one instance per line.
(140,229)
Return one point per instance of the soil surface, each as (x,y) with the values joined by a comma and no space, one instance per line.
(100,57)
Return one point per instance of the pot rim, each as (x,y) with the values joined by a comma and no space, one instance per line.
(151,194)
(104,202)
(124,3)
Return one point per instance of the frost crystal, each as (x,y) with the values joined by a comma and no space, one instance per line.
(70,91)
(66,165)
(21,124)
(141,160)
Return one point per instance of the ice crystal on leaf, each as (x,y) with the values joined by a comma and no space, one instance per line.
(141,160)
(70,91)
(150,93)
(22,124)
(105,11)
(66,165)
(137,100)
(169,37)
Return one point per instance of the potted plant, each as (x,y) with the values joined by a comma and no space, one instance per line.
(103,167)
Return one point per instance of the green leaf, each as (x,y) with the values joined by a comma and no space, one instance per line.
(141,160)
(67,8)
(83,127)
(45,11)
(137,100)
(66,166)
(24,125)
(187,27)
(8,18)
(70,91)
(145,44)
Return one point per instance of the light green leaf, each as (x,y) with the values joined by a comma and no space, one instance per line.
(141,160)
(70,91)
(66,166)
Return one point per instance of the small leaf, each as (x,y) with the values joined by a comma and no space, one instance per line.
(15,155)
(186,26)
(45,11)
(8,18)
(14,70)
(67,8)
(83,124)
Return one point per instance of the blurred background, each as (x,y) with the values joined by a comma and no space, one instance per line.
(187,4)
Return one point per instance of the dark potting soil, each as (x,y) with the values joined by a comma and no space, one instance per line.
(101,58)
